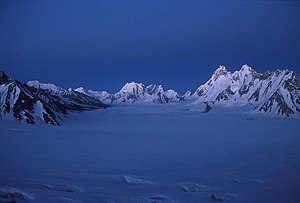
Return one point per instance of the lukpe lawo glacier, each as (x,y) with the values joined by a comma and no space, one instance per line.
(273,92)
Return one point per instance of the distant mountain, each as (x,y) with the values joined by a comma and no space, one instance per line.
(71,99)
(271,92)
(276,92)
(136,93)
(34,101)
(131,92)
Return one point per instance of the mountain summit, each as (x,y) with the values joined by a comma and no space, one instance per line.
(133,92)
(271,92)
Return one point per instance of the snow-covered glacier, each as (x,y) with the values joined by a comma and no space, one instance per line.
(273,92)
(152,153)
(234,139)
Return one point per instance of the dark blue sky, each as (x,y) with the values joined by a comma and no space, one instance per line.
(103,44)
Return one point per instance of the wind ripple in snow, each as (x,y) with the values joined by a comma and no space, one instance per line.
(153,198)
(213,195)
(134,180)
(246,180)
(53,186)
(114,178)
(193,187)
(64,188)
(62,200)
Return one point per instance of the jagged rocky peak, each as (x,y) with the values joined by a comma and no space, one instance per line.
(133,87)
(34,101)
(3,78)
(19,101)
(130,92)
(247,69)
(44,86)
(97,94)
(173,95)
(279,105)
(247,87)
(221,71)
(187,95)
(80,89)
(69,92)
(137,92)
(153,89)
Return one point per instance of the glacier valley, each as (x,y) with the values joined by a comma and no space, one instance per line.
(152,153)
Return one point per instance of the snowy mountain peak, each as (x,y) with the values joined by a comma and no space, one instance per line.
(173,95)
(132,86)
(271,92)
(221,71)
(45,86)
(24,104)
(153,89)
(246,68)
(137,92)
(130,92)
(80,90)
(187,95)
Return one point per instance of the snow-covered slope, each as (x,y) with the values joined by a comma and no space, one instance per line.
(138,92)
(44,86)
(187,95)
(103,96)
(173,95)
(158,94)
(276,92)
(152,153)
(72,99)
(131,92)
(135,92)
(33,102)
(17,101)
(270,92)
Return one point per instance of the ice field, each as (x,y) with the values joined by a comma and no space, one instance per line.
(152,153)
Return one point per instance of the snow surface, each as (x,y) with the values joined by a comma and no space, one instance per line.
(153,153)
(223,79)
(45,86)
(133,92)
(172,95)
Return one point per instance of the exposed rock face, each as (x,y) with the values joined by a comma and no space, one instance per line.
(136,92)
(38,102)
(276,92)
(271,92)
(18,101)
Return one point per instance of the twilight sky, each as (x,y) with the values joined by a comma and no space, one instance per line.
(101,45)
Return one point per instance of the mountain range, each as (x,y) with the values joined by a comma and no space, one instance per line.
(273,92)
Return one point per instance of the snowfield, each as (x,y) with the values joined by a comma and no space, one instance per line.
(152,153)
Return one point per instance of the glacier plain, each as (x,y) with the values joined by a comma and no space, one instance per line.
(153,153)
